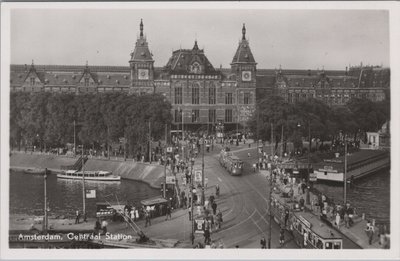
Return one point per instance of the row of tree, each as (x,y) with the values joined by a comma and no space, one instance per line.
(316,119)
(49,119)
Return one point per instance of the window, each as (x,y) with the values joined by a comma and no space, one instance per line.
(212,94)
(178,95)
(246,98)
(228,115)
(195,95)
(178,116)
(228,98)
(32,79)
(212,115)
(87,81)
(195,115)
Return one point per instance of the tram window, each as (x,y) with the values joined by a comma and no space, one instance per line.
(337,245)
(328,245)
(310,237)
(319,244)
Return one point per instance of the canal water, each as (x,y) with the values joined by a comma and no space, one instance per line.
(369,195)
(65,196)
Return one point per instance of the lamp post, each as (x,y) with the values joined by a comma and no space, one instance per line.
(202,173)
(345,172)
(270,188)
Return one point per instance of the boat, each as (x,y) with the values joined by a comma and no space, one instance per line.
(359,164)
(35,171)
(89,175)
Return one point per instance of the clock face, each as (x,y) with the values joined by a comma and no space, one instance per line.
(246,76)
(143,74)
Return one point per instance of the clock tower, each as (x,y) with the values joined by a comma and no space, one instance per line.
(142,66)
(243,64)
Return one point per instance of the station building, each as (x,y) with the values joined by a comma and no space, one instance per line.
(202,95)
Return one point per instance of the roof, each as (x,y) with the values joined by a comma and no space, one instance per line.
(153,201)
(265,81)
(190,61)
(318,226)
(141,52)
(243,53)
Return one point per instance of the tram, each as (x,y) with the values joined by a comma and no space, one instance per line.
(308,230)
(232,163)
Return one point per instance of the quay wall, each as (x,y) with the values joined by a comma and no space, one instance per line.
(152,174)
(23,161)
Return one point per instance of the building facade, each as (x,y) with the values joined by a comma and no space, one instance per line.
(200,94)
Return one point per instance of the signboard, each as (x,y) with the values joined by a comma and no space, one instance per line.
(199,226)
(197,175)
(328,168)
(169,149)
(313,177)
(330,171)
(90,193)
(170,179)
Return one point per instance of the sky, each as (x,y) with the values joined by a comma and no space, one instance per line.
(293,39)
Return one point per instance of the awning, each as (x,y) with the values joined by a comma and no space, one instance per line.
(153,201)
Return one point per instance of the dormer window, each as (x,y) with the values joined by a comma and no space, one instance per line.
(86,82)
(32,80)
(195,68)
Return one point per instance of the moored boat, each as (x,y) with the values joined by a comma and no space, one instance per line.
(89,175)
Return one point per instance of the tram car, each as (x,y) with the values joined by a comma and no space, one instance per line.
(308,230)
(231,163)
(234,165)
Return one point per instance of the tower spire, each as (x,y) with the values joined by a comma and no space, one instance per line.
(244,32)
(141,28)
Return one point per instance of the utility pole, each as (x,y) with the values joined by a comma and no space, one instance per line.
(270,188)
(83,186)
(108,142)
(45,221)
(191,203)
(165,164)
(149,141)
(74,140)
(345,172)
(282,142)
(202,174)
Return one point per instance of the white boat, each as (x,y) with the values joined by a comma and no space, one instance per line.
(89,175)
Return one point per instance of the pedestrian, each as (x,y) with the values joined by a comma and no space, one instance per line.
(370,232)
(77,217)
(136,214)
(338,219)
(214,207)
(147,217)
(168,213)
(220,244)
(346,220)
(217,190)
(219,215)
(132,215)
(104,225)
(211,199)
(381,234)
(282,237)
(207,238)
(97,226)
(286,216)
(263,243)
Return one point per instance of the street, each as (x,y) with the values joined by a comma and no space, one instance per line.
(243,202)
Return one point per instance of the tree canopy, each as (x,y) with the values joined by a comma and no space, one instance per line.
(46,119)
